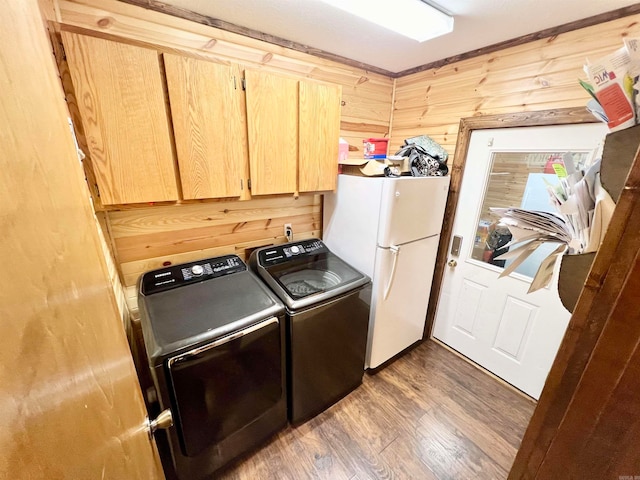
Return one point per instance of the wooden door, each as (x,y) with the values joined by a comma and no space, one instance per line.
(494,321)
(209,123)
(272,117)
(71,404)
(121,99)
(319,136)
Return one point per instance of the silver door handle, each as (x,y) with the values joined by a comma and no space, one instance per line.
(221,341)
(395,250)
(163,421)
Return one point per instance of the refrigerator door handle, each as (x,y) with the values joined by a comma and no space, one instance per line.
(395,250)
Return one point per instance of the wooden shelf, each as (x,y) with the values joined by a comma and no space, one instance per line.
(620,149)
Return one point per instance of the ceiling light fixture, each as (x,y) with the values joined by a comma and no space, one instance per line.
(412,18)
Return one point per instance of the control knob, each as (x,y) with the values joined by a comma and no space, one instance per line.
(295,249)
(197,270)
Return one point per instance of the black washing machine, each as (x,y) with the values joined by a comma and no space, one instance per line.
(327,303)
(215,344)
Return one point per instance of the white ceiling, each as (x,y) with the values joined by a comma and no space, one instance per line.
(478,23)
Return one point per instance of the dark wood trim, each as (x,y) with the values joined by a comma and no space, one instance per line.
(546,33)
(561,116)
(255,34)
(179,12)
(595,327)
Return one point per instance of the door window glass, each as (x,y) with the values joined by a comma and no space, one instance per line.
(519,179)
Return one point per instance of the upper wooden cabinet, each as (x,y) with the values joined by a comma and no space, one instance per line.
(319,110)
(120,94)
(279,133)
(207,108)
(272,114)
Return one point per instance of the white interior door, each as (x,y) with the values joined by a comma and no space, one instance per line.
(493,321)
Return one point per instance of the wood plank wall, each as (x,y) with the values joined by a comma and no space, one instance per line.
(534,76)
(366,96)
(538,75)
(145,238)
(506,184)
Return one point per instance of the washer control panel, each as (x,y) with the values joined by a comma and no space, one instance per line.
(283,253)
(179,275)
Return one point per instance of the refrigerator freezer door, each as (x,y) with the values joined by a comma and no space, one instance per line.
(351,216)
(411,208)
(398,321)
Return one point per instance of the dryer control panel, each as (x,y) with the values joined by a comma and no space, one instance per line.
(186,273)
(283,253)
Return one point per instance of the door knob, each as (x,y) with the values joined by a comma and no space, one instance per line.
(163,421)
(452,263)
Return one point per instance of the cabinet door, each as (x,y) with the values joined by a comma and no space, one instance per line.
(319,135)
(272,117)
(121,99)
(207,110)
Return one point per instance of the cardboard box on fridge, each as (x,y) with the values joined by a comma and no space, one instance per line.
(364,167)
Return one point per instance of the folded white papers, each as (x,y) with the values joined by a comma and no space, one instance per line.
(584,210)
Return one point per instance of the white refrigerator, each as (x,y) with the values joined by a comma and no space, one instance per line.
(389,228)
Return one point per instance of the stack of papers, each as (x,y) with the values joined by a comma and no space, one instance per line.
(530,229)
(584,209)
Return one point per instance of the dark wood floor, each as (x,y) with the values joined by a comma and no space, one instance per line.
(429,415)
